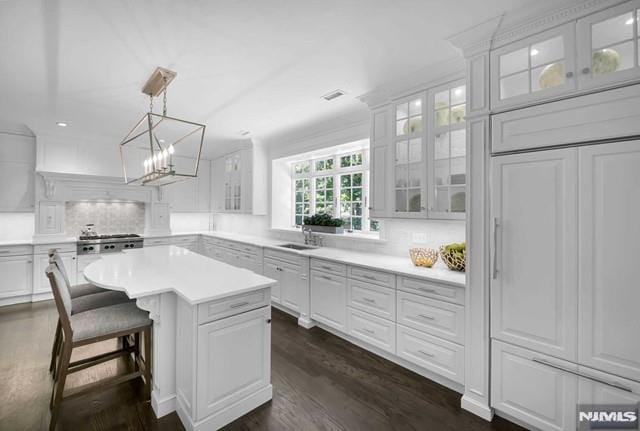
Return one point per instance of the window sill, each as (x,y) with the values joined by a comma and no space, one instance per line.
(372,237)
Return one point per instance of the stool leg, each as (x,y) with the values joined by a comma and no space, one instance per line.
(136,352)
(58,386)
(56,347)
(147,362)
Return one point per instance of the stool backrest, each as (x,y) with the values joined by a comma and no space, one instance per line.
(61,295)
(54,257)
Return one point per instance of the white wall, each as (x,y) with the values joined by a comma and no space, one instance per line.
(190,222)
(16,226)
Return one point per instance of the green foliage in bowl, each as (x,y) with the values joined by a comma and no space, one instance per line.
(323,219)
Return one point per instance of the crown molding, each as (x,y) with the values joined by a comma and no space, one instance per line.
(506,28)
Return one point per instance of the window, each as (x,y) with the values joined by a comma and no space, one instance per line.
(336,185)
(302,199)
(448,145)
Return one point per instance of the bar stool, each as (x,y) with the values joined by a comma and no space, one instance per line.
(84,297)
(93,326)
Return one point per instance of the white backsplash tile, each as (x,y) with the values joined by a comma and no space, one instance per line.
(190,222)
(242,223)
(108,217)
(19,226)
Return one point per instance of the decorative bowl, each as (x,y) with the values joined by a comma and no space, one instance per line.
(423,256)
(551,76)
(455,260)
(605,61)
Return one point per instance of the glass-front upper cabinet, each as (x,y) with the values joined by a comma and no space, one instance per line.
(535,68)
(409,158)
(608,45)
(447,151)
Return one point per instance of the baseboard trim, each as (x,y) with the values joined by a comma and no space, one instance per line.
(15,300)
(37,297)
(164,406)
(477,408)
(227,415)
(306,323)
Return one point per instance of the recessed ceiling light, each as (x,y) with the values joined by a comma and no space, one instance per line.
(244,132)
(333,95)
(629,21)
(534,52)
(61,124)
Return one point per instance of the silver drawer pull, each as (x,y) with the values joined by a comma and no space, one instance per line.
(326,267)
(424,289)
(424,316)
(5,251)
(369,277)
(326,277)
(372,301)
(586,376)
(369,331)
(239,304)
(430,355)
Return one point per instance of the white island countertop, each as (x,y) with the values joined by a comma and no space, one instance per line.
(154,270)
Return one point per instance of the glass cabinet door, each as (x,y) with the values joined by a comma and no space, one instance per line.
(534,68)
(447,152)
(608,44)
(409,158)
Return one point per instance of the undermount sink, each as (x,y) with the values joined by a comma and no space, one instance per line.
(297,246)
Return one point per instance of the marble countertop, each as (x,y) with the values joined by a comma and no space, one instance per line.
(396,264)
(154,270)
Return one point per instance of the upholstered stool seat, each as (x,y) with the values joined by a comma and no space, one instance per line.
(103,321)
(85,289)
(105,298)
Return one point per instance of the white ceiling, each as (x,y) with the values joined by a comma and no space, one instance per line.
(258,65)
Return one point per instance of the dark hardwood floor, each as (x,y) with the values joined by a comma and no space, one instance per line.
(320,381)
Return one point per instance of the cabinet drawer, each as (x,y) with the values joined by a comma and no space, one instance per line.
(431,353)
(371,329)
(382,278)
(243,248)
(15,250)
(442,292)
(373,299)
(434,317)
(215,310)
(328,266)
(156,241)
(60,248)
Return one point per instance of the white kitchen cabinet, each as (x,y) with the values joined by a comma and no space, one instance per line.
(271,270)
(41,283)
(608,46)
(609,247)
(534,68)
(380,164)
(17,274)
(242,185)
(160,219)
(525,387)
(534,290)
(227,370)
(329,299)
(371,329)
(601,388)
(293,284)
(192,194)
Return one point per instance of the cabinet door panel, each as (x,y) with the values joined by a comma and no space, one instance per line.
(329,299)
(229,370)
(292,295)
(534,290)
(16,275)
(380,157)
(271,271)
(41,282)
(543,397)
(608,48)
(609,250)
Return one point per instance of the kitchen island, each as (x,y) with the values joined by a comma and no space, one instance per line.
(211,337)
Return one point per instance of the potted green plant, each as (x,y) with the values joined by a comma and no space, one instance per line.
(324,223)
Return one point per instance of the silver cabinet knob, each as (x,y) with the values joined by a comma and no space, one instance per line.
(569,75)
(586,70)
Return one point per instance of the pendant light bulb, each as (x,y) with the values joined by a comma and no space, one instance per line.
(171,149)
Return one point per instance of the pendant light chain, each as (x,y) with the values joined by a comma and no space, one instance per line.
(164,98)
(150,104)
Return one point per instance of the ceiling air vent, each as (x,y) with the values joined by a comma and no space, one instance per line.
(333,95)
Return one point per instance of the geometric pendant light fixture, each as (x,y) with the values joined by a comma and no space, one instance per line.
(160,149)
